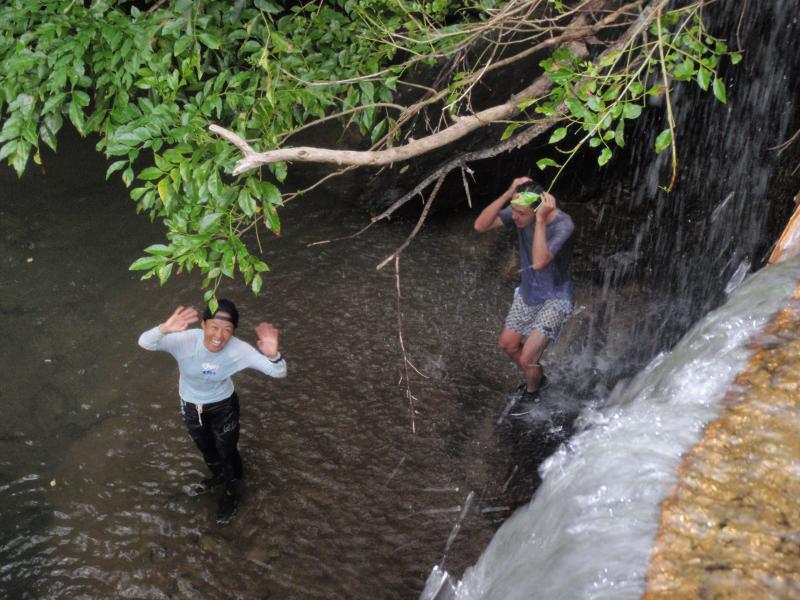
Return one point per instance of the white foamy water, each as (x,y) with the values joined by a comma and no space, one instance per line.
(588,531)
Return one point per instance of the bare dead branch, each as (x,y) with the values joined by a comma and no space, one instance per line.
(406,375)
(346,237)
(417,227)
(464,170)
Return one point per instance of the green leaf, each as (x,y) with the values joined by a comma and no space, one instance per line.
(208,221)
(54,102)
(703,78)
(619,134)
(81,98)
(271,219)
(605,156)
(164,272)
(20,159)
(543,163)
(145,263)
(663,141)
(509,131)
(256,284)
(159,250)
(684,71)
(210,41)
(116,166)
(595,103)
(165,193)
(127,176)
(270,193)
(279,169)
(76,116)
(228,263)
(181,44)
(631,111)
(150,174)
(594,142)
(719,90)
(246,202)
(378,131)
(9,149)
(558,135)
(576,107)
(736,58)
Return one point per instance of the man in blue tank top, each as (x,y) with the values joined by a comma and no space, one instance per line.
(543,300)
(207,358)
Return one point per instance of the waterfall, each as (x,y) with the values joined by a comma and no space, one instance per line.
(588,531)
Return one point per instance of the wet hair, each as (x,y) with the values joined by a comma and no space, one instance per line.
(531,186)
(226,306)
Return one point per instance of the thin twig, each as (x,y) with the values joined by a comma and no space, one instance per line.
(739,25)
(155,6)
(406,376)
(784,145)
(339,239)
(670,117)
(417,227)
(464,169)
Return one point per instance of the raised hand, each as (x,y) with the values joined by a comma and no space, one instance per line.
(179,320)
(267,339)
(547,206)
(519,181)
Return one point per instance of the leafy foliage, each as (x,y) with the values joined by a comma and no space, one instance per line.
(600,97)
(149,83)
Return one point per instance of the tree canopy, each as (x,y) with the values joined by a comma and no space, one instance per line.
(196,103)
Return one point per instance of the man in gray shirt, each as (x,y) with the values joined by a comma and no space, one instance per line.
(543,300)
(207,358)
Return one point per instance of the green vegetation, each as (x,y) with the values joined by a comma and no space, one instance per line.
(149,83)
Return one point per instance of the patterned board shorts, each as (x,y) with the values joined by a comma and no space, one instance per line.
(547,318)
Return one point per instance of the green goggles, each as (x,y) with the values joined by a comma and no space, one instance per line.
(531,199)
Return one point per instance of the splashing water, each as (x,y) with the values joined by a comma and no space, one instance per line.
(587,533)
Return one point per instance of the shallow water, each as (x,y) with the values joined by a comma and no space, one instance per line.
(341,498)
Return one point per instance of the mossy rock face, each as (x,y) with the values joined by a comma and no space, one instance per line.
(729,530)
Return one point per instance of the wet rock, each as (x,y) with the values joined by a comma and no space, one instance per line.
(213,544)
(185,588)
(263,555)
(159,554)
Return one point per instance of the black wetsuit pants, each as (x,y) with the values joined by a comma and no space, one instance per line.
(215,431)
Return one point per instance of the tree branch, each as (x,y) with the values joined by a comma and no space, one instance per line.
(525,136)
(463,126)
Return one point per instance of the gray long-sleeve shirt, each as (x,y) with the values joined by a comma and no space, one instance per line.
(205,376)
